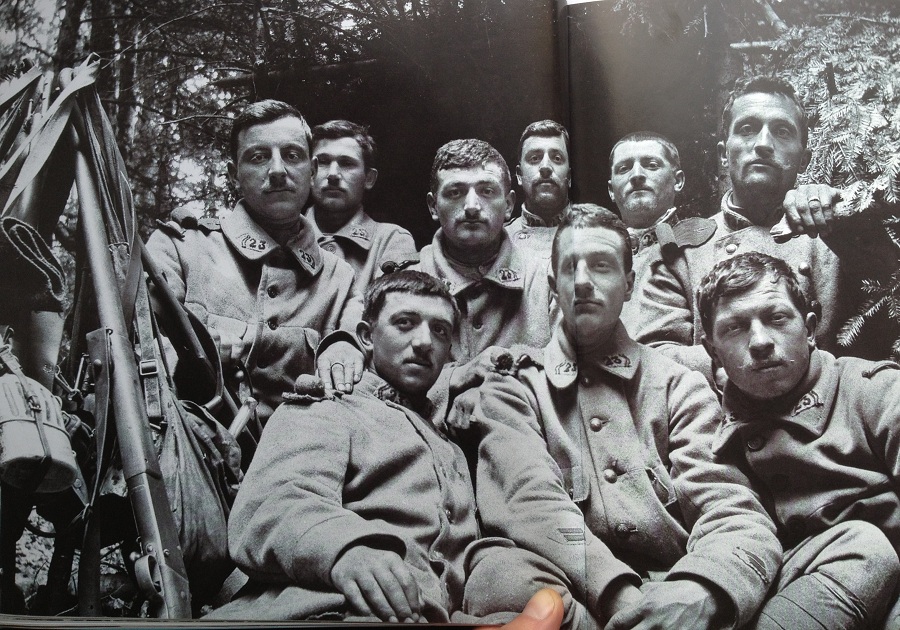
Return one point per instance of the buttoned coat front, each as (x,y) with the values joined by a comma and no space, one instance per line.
(280,301)
(359,469)
(509,304)
(827,452)
(607,470)
(365,244)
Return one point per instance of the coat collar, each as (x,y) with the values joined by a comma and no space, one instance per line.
(254,243)
(806,406)
(733,218)
(360,229)
(373,385)
(530,219)
(622,358)
(642,238)
(506,270)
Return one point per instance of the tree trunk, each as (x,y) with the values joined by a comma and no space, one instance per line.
(67,42)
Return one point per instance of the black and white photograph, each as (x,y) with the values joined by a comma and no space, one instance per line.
(541,314)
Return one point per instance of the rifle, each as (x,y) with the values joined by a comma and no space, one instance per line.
(160,569)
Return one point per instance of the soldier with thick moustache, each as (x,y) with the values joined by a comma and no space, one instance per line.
(597,455)
(545,175)
(257,278)
(764,150)
(819,434)
(344,153)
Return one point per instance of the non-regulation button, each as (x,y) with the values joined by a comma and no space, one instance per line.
(610,475)
(731,248)
(755,442)
(623,530)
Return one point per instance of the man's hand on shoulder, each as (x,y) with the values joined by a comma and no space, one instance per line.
(340,366)
(809,209)
(473,373)
(677,604)
(378,583)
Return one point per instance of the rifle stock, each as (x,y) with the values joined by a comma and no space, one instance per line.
(160,569)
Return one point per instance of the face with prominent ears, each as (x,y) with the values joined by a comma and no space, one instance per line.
(341,178)
(410,340)
(273,170)
(643,182)
(471,204)
(763,151)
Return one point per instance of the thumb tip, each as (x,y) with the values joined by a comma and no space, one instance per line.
(543,604)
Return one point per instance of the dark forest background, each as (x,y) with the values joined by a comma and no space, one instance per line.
(423,72)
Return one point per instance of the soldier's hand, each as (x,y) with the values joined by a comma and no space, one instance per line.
(231,347)
(809,209)
(378,583)
(340,366)
(674,605)
(544,611)
(472,374)
(460,415)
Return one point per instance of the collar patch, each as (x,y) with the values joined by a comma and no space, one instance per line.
(505,274)
(616,361)
(809,401)
(566,367)
(359,232)
(249,242)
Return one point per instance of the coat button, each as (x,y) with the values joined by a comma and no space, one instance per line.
(596,423)
(610,475)
(449,514)
(755,442)
(731,248)
(329,247)
(623,530)
(477,324)
(272,291)
(585,380)
(571,492)
(805,269)
(272,323)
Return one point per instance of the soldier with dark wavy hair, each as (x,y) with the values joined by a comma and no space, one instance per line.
(820,436)
(502,291)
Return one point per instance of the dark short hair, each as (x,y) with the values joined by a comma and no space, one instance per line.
(738,274)
(764,85)
(590,215)
(264,112)
(669,148)
(411,282)
(337,129)
(544,129)
(468,153)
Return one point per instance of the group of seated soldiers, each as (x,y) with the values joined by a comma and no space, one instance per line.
(641,411)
